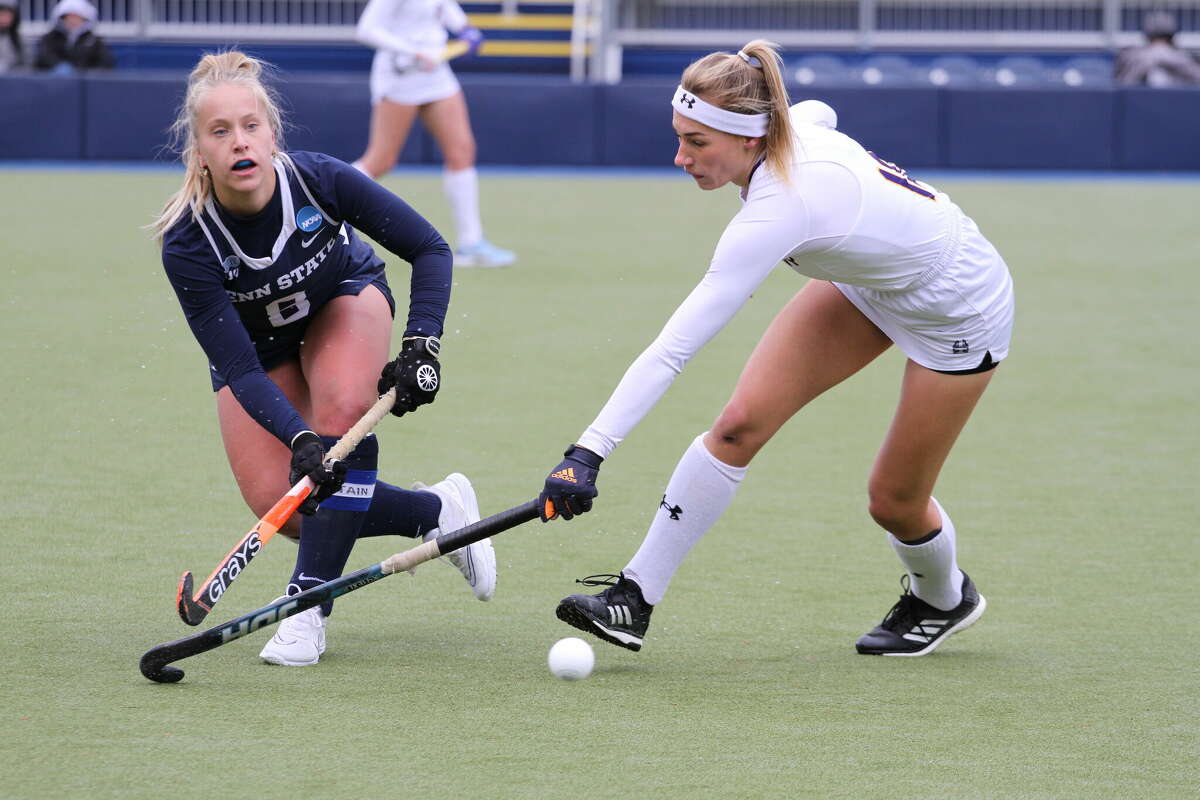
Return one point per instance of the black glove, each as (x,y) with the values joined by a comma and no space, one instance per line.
(571,485)
(308,458)
(415,373)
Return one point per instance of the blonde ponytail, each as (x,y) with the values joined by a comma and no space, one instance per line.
(749,82)
(213,70)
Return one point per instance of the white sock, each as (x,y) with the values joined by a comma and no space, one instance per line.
(358,165)
(699,491)
(462,189)
(932,566)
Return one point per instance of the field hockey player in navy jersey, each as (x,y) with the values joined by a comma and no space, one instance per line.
(295,315)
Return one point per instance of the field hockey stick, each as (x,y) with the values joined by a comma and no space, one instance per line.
(194,607)
(155,661)
(454,49)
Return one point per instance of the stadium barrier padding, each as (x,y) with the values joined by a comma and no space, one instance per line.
(43,117)
(532,120)
(1159,129)
(1031,129)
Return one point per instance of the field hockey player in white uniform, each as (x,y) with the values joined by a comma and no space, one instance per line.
(295,315)
(410,76)
(891,261)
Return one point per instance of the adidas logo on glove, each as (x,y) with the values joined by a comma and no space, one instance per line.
(567,474)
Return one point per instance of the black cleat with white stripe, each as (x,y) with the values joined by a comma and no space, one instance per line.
(915,628)
(617,615)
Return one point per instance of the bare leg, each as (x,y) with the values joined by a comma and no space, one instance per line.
(260,461)
(932,412)
(449,123)
(817,341)
(390,125)
(344,349)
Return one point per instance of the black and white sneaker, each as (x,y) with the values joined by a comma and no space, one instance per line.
(617,615)
(915,628)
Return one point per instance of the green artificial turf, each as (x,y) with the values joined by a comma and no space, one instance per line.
(1073,489)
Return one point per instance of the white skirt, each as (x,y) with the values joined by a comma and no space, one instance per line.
(952,320)
(411,87)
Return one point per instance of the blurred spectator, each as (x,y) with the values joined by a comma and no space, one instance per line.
(1158,62)
(12,55)
(72,44)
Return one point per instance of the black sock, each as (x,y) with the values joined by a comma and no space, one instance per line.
(327,537)
(400,512)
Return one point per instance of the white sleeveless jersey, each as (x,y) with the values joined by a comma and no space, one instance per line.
(843,216)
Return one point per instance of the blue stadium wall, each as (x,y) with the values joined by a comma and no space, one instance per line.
(542,120)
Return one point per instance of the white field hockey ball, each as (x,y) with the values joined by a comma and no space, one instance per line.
(571,659)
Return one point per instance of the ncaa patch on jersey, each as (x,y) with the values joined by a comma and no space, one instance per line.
(308,219)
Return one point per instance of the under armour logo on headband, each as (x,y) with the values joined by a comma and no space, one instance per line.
(695,107)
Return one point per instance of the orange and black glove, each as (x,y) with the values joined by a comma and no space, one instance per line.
(571,486)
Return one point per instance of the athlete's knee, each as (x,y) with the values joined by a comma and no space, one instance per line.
(895,506)
(337,415)
(459,152)
(383,165)
(377,161)
(736,435)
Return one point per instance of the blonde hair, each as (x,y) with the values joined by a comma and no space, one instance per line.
(213,70)
(731,82)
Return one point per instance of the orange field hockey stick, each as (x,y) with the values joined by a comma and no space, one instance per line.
(194,607)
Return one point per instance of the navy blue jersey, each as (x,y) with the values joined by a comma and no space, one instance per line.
(250,286)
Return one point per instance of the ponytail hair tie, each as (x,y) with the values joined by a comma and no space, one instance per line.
(749,59)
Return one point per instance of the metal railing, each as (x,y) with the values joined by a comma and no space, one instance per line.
(604,28)
(219,20)
(866,25)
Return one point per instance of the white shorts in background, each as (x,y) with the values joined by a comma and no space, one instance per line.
(411,87)
(951,320)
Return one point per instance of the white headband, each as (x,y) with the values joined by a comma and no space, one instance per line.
(692,107)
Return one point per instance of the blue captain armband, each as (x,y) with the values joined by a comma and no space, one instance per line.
(356,491)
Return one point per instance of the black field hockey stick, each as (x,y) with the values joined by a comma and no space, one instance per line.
(193,607)
(155,661)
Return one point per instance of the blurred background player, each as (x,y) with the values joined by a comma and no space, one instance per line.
(890,260)
(295,315)
(1159,62)
(410,77)
(73,44)
(12,50)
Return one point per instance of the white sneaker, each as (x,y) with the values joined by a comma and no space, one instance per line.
(477,562)
(484,254)
(298,642)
